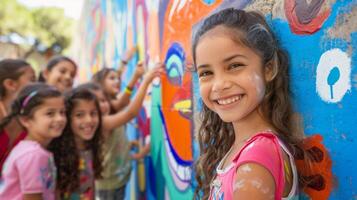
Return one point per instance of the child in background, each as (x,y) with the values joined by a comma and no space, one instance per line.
(59,72)
(29,171)
(14,75)
(110,80)
(116,157)
(77,152)
(248,129)
(116,148)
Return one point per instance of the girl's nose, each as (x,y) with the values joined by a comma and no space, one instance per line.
(68,76)
(61,117)
(221,84)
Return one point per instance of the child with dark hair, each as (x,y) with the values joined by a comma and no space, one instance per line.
(110,81)
(60,73)
(249,136)
(116,147)
(14,75)
(77,151)
(29,171)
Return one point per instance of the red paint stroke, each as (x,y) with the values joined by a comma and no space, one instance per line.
(295,11)
(144,123)
(184,94)
(320,174)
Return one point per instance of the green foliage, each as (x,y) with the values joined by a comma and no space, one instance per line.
(48,25)
(14,17)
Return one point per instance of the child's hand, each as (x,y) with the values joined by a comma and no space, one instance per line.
(155,71)
(138,156)
(133,144)
(139,70)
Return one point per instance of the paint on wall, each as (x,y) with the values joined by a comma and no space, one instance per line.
(320,37)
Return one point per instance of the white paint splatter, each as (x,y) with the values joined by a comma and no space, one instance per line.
(257,183)
(245,169)
(238,184)
(177,5)
(259,86)
(153,5)
(334,59)
(265,190)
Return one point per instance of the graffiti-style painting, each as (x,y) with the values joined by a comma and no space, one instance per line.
(320,37)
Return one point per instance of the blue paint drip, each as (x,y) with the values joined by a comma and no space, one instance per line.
(208,2)
(333,78)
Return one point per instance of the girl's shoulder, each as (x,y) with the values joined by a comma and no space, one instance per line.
(261,143)
(29,149)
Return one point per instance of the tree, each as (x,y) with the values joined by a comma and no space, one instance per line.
(44,29)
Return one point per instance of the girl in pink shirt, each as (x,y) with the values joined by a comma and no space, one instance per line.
(247,132)
(14,75)
(29,171)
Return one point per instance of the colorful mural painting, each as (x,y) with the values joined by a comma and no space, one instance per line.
(321,38)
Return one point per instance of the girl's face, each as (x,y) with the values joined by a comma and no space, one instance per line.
(61,75)
(111,83)
(47,121)
(84,120)
(231,76)
(103,102)
(28,75)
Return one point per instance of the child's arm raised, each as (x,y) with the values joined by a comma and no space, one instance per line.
(128,55)
(112,121)
(123,98)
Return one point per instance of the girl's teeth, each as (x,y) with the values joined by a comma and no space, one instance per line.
(229,100)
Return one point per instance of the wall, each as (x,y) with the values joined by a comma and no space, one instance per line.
(320,37)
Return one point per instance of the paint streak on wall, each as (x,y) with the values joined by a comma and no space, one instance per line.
(320,36)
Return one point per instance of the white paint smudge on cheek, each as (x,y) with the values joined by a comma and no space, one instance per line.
(259,85)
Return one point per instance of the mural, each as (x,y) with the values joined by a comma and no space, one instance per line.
(321,38)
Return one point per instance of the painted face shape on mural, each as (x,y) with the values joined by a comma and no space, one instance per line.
(111,83)
(84,121)
(231,76)
(61,76)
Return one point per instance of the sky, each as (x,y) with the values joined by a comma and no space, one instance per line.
(72,8)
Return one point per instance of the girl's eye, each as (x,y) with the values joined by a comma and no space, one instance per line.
(204,73)
(94,114)
(235,65)
(79,115)
(50,114)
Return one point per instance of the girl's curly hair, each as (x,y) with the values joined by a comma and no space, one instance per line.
(215,136)
(65,150)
